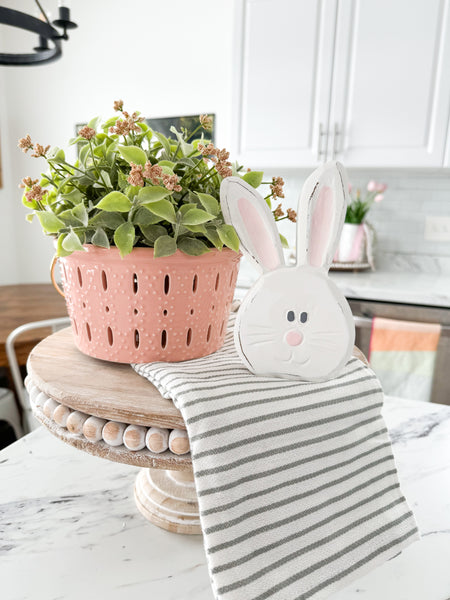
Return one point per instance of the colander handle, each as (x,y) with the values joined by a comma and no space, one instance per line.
(52,276)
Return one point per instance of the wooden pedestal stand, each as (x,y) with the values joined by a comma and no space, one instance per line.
(164,489)
(168,499)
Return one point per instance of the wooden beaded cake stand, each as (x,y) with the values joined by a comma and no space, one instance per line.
(78,397)
(110,411)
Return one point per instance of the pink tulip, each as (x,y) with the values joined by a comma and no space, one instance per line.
(349,188)
(372,186)
(378,198)
(380,187)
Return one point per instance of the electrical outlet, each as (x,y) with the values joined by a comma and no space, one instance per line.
(437,229)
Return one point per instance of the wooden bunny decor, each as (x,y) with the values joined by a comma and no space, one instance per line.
(294,322)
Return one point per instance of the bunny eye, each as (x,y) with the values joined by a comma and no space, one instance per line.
(290,316)
(303,317)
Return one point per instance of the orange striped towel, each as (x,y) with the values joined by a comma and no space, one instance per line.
(403,354)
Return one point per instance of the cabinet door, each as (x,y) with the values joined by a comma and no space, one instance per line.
(284,59)
(447,150)
(391,83)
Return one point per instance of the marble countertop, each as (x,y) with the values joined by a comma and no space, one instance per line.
(69,528)
(407,288)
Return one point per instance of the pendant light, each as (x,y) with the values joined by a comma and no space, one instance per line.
(49,47)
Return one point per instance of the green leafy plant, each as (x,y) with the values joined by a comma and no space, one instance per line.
(358,206)
(132,186)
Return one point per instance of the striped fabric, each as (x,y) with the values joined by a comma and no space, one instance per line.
(297,486)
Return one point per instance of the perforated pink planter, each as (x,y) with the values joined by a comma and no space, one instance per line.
(143,309)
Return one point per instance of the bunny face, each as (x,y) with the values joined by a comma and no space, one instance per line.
(294,324)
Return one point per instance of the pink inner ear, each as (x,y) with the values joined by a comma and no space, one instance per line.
(320,227)
(260,237)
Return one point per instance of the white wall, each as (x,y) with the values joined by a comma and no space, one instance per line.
(8,254)
(162,58)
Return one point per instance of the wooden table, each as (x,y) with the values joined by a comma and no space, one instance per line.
(20,304)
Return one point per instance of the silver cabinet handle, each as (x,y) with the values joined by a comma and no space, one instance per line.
(321,152)
(336,135)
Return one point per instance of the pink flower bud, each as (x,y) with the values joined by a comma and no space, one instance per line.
(378,198)
(380,187)
(372,186)
(349,188)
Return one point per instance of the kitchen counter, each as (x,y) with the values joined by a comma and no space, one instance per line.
(69,527)
(405,288)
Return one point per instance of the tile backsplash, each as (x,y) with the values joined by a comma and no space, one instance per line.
(399,220)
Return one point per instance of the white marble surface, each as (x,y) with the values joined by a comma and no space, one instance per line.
(69,528)
(409,288)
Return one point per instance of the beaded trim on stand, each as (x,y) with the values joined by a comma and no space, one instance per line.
(121,442)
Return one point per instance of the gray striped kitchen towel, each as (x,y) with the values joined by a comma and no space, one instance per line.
(297,486)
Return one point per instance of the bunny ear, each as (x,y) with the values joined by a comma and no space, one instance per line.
(253,221)
(321,214)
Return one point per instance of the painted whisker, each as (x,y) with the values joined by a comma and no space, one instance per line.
(257,326)
(322,344)
(259,342)
(323,337)
(252,333)
(260,338)
(326,333)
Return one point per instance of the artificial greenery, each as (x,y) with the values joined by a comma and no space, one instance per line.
(132,186)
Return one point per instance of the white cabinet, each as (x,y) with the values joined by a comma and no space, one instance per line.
(371,76)
(284,69)
(391,82)
(447,150)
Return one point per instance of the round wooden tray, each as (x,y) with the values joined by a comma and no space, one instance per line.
(164,489)
(120,454)
(97,387)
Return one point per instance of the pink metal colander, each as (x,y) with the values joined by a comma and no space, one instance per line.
(144,309)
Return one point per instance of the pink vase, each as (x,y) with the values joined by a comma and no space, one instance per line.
(351,243)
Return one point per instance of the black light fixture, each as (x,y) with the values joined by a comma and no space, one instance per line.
(45,30)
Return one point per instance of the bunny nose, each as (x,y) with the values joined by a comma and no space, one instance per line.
(294,338)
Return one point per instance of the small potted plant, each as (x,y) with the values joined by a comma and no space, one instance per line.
(354,232)
(148,264)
